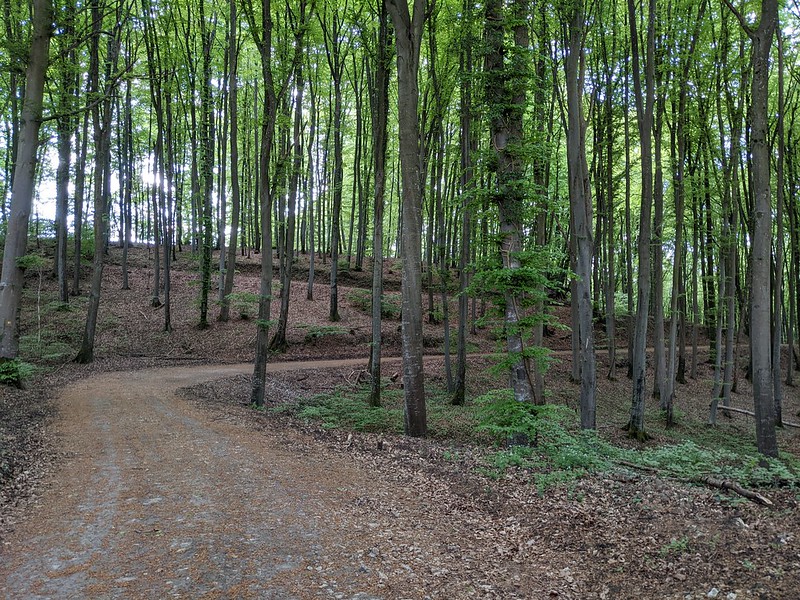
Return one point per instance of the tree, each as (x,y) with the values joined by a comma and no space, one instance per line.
(644,111)
(101,128)
(761,253)
(408,34)
(230,262)
(335,38)
(278,342)
(507,78)
(206,163)
(16,241)
(379,97)
(580,209)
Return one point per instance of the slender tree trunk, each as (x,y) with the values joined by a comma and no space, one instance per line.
(380,115)
(777,293)
(206,167)
(278,342)
(467,189)
(101,120)
(80,183)
(581,210)
(644,110)
(312,165)
(127,190)
(760,290)
(233,111)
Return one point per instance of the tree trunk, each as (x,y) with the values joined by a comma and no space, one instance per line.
(644,111)
(380,115)
(101,121)
(230,262)
(24,176)
(206,167)
(581,211)
(278,342)
(408,28)
(760,290)
(506,100)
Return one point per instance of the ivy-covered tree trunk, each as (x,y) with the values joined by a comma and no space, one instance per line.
(505,93)
(467,188)
(24,177)
(206,167)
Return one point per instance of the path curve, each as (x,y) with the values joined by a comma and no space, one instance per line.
(159,498)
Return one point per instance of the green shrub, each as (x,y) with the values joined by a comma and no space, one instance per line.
(244,303)
(14,372)
(314,332)
(340,411)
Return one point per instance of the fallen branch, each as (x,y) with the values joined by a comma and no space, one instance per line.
(725,484)
(752,414)
(633,465)
(721,484)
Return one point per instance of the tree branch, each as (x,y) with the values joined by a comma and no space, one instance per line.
(740,17)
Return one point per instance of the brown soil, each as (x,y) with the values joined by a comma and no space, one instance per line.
(168,485)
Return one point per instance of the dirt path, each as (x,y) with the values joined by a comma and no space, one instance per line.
(159,498)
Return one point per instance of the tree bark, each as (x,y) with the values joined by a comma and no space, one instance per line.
(379,95)
(12,280)
(233,113)
(581,211)
(408,30)
(644,110)
(760,290)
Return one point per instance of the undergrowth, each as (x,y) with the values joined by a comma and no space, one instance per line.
(544,442)
(362,300)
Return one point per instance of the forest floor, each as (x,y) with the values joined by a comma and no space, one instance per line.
(147,474)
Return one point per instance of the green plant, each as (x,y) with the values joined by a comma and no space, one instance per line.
(337,410)
(390,303)
(314,332)
(14,372)
(675,546)
(244,303)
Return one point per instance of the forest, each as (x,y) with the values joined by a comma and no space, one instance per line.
(399,299)
(628,160)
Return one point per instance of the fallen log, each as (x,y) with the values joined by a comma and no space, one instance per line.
(725,484)
(752,414)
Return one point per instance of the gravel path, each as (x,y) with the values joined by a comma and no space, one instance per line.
(158,500)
